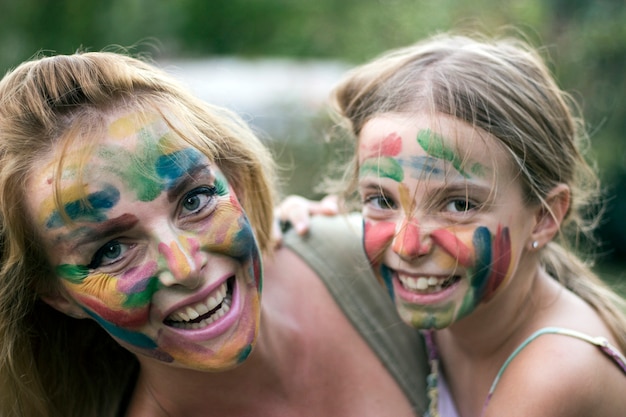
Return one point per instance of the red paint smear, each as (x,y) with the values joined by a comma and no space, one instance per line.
(235,202)
(376,238)
(454,246)
(122,318)
(391,145)
(500,263)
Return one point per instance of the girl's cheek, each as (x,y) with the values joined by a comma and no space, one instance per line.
(376,238)
(457,244)
(501,262)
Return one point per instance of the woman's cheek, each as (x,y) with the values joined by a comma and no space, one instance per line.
(228,231)
(122,301)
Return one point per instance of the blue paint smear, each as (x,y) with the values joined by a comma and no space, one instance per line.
(424,165)
(387,276)
(482,268)
(173,166)
(93,211)
(128,336)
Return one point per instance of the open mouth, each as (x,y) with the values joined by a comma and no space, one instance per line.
(428,285)
(203,313)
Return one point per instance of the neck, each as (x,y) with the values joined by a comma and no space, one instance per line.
(167,390)
(504,322)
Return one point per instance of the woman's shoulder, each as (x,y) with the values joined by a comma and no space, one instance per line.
(559,372)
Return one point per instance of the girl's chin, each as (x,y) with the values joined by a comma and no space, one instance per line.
(426,318)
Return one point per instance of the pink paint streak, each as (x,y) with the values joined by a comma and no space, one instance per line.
(135,279)
(376,238)
(407,242)
(454,246)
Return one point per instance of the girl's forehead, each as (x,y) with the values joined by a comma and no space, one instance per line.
(440,137)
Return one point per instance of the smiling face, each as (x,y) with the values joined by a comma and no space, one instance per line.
(151,243)
(444,218)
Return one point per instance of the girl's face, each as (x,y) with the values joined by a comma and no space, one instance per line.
(152,244)
(445,223)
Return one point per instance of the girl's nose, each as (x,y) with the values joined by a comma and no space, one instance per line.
(408,242)
(183,260)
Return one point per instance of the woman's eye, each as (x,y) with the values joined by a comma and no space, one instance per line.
(460,206)
(108,254)
(195,200)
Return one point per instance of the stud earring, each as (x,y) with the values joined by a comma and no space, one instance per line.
(535,244)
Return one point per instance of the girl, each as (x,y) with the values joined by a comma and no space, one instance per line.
(470,175)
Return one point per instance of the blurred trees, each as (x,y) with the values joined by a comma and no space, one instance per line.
(586,40)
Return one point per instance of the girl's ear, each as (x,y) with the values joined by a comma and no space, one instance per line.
(61,301)
(550,216)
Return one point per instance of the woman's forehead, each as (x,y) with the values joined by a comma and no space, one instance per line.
(141,152)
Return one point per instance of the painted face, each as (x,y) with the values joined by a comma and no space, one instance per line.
(444,222)
(153,245)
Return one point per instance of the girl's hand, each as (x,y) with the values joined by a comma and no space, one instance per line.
(296,211)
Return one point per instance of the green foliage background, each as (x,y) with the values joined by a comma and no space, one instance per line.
(586,40)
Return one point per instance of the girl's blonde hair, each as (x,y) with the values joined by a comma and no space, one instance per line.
(50,364)
(503,87)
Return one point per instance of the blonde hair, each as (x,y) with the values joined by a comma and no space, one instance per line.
(52,101)
(503,87)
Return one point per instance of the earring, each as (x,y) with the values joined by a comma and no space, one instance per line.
(535,244)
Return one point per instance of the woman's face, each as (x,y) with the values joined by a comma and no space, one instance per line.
(153,245)
(445,223)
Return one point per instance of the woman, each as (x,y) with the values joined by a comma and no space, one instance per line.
(470,175)
(135,225)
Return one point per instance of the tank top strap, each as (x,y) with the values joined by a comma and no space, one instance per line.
(601,342)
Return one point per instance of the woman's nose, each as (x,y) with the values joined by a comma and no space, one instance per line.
(409,242)
(183,261)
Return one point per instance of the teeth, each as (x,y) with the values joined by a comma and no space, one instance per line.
(193,312)
(430,284)
(225,308)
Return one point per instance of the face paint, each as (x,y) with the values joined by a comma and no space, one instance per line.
(150,213)
(434,231)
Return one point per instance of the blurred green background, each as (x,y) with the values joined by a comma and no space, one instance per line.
(586,41)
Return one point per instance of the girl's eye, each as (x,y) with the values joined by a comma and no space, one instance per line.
(380,202)
(108,254)
(197,199)
(460,206)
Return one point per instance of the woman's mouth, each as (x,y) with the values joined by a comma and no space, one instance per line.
(203,313)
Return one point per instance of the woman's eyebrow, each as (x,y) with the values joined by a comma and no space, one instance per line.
(105,230)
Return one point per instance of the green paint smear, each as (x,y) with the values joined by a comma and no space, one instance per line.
(138,169)
(221,185)
(385,167)
(434,145)
(142,298)
(478,170)
(72,273)
(245,352)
